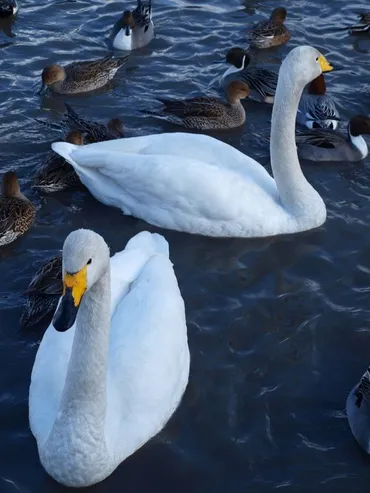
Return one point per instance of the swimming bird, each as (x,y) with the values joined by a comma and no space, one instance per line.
(91,131)
(331,145)
(364,26)
(135,29)
(57,174)
(43,294)
(261,81)
(358,411)
(80,77)
(272,32)
(198,184)
(17,213)
(8,8)
(316,109)
(206,113)
(112,367)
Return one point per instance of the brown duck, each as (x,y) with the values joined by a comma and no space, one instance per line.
(206,113)
(272,32)
(17,213)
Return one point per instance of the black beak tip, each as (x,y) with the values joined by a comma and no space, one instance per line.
(66,313)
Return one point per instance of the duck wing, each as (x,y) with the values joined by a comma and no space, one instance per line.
(325,138)
(201,106)
(318,107)
(47,279)
(261,80)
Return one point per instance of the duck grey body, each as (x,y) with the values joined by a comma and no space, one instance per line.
(329,145)
(358,411)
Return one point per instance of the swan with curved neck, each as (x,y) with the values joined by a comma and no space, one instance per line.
(108,374)
(197,184)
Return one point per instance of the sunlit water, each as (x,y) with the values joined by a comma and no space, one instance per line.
(278,328)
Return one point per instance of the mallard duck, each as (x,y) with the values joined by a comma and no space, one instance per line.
(17,213)
(57,174)
(261,81)
(112,367)
(43,294)
(135,29)
(198,184)
(330,145)
(358,411)
(80,77)
(316,109)
(364,26)
(272,32)
(8,8)
(206,113)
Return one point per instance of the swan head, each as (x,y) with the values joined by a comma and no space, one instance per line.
(304,64)
(85,260)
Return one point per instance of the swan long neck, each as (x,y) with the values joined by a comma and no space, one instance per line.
(85,387)
(294,190)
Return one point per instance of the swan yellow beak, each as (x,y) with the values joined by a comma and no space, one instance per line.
(324,64)
(77,283)
(74,287)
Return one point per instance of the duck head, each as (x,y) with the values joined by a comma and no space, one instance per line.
(278,15)
(52,75)
(10,185)
(236,91)
(359,125)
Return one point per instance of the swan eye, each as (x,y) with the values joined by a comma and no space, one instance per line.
(317,58)
(89,261)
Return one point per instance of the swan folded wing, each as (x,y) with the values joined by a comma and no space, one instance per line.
(150,188)
(148,357)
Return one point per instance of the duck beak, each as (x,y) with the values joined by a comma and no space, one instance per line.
(127,30)
(324,64)
(74,287)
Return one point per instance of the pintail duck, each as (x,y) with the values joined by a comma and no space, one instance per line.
(8,8)
(364,25)
(316,109)
(43,294)
(330,145)
(57,174)
(358,411)
(206,113)
(17,213)
(272,32)
(261,82)
(134,29)
(80,77)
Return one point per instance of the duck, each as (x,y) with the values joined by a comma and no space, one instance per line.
(57,174)
(8,8)
(17,213)
(92,131)
(43,294)
(197,184)
(262,82)
(272,32)
(316,109)
(113,365)
(135,29)
(364,26)
(208,113)
(79,77)
(330,145)
(358,411)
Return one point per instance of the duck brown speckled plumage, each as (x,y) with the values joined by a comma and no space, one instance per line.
(56,174)
(17,213)
(43,294)
(272,32)
(206,113)
(80,77)
(364,26)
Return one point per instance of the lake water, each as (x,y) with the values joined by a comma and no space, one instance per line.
(278,328)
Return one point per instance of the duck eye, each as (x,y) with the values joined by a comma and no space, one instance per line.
(89,261)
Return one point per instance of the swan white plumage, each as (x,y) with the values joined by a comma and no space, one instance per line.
(103,388)
(197,184)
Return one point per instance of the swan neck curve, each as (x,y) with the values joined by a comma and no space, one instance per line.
(294,189)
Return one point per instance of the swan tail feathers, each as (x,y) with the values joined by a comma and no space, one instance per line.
(152,242)
(65,150)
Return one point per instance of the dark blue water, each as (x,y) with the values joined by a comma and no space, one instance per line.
(278,329)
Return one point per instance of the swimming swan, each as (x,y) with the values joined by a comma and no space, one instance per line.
(103,388)
(197,184)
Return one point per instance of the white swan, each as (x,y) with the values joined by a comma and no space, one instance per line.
(197,184)
(102,389)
